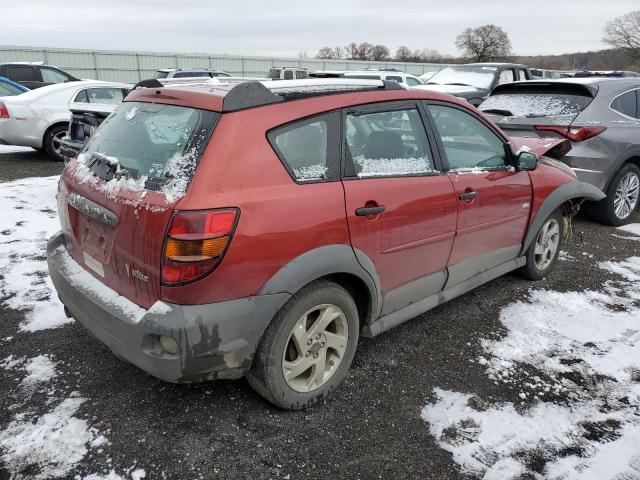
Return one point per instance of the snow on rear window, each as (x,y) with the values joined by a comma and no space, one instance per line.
(536,105)
(152,146)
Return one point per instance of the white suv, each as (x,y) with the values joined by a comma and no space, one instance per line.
(381,74)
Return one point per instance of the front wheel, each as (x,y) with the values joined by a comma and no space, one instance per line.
(543,252)
(308,348)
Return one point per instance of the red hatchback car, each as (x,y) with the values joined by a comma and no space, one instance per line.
(229,228)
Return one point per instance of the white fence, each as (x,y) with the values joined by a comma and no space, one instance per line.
(121,66)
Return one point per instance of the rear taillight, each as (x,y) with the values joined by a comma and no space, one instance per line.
(195,244)
(575,134)
(4,113)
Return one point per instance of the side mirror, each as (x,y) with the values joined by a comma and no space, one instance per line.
(526,161)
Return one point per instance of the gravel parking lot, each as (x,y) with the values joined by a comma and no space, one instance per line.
(70,409)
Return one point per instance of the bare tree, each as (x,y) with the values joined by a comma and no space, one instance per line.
(359,51)
(338,52)
(484,43)
(325,53)
(403,54)
(624,32)
(427,55)
(379,53)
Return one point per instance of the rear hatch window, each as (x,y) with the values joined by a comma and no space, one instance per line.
(155,146)
(557,104)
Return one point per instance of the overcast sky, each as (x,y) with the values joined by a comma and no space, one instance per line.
(287,27)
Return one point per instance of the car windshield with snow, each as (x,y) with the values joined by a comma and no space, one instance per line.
(222,229)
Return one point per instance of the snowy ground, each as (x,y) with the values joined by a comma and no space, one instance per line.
(575,359)
(545,383)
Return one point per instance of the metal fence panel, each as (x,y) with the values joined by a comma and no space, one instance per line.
(134,66)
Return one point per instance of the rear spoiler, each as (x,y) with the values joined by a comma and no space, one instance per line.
(558,86)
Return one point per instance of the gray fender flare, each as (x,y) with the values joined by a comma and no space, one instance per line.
(568,191)
(323,261)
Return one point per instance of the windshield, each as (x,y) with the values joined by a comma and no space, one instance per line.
(8,89)
(475,76)
(158,143)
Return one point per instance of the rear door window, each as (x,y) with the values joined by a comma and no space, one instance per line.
(309,149)
(301,74)
(386,144)
(626,104)
(468,143)
(162,143)
(288,75)
(51,75)
(506,76)
(22,73)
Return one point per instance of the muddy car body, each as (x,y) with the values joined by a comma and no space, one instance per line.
(309,212)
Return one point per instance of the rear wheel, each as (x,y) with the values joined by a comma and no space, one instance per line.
(308,348)
(542,254)
(52,142)
(622,198)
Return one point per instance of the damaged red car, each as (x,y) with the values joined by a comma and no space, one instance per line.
(220,229)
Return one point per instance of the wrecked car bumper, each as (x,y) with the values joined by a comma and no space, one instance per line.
(209,341)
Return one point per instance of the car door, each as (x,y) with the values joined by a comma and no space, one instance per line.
(25,75)
(401,208)
(494,200)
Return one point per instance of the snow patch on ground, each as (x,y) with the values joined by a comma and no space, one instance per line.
(27,222)
(578,415)
(39,369)
(52,444)
(631,228)
(5,149)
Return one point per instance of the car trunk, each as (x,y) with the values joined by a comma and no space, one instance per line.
(521,108)
(115,201)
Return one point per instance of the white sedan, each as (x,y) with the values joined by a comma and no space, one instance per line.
(40,118)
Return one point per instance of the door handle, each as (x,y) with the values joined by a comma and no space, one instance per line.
(466,196)
(366,211)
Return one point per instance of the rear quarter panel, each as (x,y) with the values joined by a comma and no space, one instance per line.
(279,219)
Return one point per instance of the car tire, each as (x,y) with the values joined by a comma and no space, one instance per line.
(308,347)
(613,210)
(51,142)
(542,254)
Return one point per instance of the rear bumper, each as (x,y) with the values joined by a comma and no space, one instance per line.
(214,341)
(69,148)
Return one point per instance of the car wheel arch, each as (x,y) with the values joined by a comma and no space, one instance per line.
(633,158)
(336,263)
(59,123)
(562,196)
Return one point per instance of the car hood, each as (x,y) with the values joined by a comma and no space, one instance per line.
(456,90)
(550,147)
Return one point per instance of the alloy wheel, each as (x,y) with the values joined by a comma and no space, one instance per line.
(547,244)
(315,348)
(56,141)
(626,197)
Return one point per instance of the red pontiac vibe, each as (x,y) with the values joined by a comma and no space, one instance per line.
(227,228)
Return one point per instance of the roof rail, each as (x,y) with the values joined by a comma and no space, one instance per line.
(242,93)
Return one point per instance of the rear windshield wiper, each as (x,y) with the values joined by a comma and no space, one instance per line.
(497,111)
(106,168)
